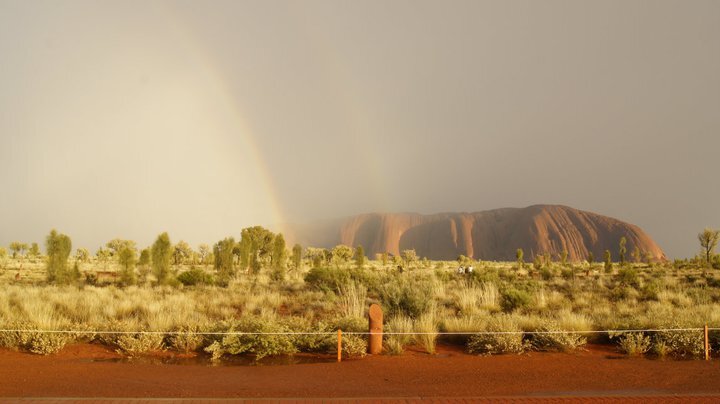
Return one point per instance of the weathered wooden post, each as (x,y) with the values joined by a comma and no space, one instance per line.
(707,344)
(376,329)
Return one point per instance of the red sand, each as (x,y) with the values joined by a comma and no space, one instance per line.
(89,371)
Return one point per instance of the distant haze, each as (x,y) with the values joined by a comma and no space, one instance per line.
(129,118)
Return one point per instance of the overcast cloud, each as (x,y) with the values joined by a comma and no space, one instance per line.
(129,118)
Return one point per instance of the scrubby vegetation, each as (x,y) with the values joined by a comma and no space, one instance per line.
(186,299)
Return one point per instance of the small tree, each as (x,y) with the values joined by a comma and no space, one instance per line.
(127,257)
(341,254)
(385,258)
(181,252)
(608,261)
(409,257)
(144,264)
(82,255)
(204,253)
(359,256)
(161,252)
(297,256)
(34,250)
(114,246)
(278,253)
(591,258)
(223,251)
(519,256)
(58,247)
(17,248)
(622,251)
(708,241)
(563,257)
(636,254)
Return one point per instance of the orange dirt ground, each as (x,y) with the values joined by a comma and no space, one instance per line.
(94,371)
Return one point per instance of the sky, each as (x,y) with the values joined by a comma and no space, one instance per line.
(124,119)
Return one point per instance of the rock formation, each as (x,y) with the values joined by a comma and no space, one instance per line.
(489,235)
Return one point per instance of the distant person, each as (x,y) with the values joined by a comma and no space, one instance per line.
(469,270)
(461,270)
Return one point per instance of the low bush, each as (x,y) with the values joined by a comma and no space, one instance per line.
(679,343)
(513,299)
(509,340)
(139,344)
(634,343)
(195,277)
(244,340)
(327,279)
(551,337)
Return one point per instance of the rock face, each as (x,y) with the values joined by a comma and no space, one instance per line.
(488,235)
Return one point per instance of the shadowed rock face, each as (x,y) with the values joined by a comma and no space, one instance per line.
(489,235)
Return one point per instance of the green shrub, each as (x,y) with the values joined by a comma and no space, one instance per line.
(186,340)
(634,343)
(258,345)
(513,299)
(551,337)
(138,344)
(195,277)
(327,279)
(406,298)
(628,276)
(680,343)
(489,344)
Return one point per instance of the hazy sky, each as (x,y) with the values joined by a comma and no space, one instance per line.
(129,118)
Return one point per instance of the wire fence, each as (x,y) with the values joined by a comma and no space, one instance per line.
(536,332)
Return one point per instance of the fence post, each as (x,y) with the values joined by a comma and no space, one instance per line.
(707,344)
(375,315)
(339,345)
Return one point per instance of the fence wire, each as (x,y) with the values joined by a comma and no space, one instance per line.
(538,332)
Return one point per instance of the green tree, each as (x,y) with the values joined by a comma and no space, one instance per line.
(144,257)
(297,256)
(58,247)
(181,252)
(622,251)
(3,253)
(708,241)
(17,248)
(519,256)
(563,257)
(636,254)
(256,244)
(359,256)
(385,258)
(114,246)
(608,261)
(591,258)
(204,253)
(127,257)
(278,254)
(223,251)
(82,255)
(161,252)
(318,256)
(341,254)
(409,256)
(34,250)
(103,255)
(144,264)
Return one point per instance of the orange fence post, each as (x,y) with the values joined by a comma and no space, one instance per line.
(707,344)
(339,345)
